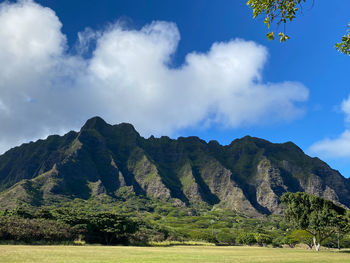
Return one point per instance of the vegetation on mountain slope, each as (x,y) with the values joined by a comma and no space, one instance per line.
(249,175)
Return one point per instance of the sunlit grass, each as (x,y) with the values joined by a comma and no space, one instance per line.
(120,254)
(180,243)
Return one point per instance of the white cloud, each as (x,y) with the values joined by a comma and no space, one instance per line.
(128,78)
(345,106)
(338,147)
(333,148)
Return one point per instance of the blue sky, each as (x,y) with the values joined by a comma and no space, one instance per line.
(314,120)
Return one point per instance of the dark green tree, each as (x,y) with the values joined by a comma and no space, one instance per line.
(263,239)
(320,217)
(342,228)
(245,238)
(112,225)
(29,230)
(98,226)
(280,12)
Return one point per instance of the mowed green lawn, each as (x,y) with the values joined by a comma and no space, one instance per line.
(186,254)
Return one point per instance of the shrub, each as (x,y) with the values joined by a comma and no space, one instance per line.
(263,239)
(278,241)
(226,238)
(299,236)
(290,240)
(245,238)
(201,235)
(345,241)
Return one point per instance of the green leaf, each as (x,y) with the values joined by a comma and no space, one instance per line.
(270,36)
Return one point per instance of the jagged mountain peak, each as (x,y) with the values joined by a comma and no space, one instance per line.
(99,124)
(95,123)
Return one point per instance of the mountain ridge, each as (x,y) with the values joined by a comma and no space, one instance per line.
(248,175)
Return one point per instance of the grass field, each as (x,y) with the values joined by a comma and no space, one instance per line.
(186,254)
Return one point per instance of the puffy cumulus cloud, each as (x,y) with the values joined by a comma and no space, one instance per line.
(34,73)
(128,78)
(333,148)
(338,147)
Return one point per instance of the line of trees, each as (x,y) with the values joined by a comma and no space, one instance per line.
(310,220)
(63,225)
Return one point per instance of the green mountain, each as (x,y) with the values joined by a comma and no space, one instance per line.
(248,176)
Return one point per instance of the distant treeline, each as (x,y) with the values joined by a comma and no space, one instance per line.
(64,225)
(141,222)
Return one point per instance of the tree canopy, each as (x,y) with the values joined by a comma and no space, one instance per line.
(280,12)
(320,217)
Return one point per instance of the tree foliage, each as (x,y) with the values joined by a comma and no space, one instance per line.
(320,217)
(246,238)
(101,227)
(263,239)
(300,236)
(138,221)
(34,230)
(280,12)
(344,45)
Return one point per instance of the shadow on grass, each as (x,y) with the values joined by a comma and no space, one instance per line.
(344,251)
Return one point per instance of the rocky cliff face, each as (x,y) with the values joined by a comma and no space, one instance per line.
(249,175)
